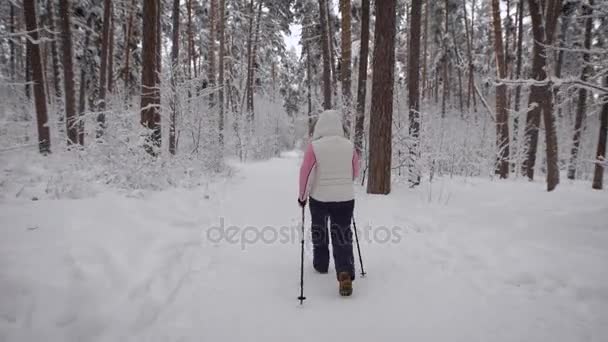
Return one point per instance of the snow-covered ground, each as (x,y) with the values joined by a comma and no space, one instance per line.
(466,260)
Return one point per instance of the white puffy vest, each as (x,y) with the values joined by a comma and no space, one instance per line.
(333,178)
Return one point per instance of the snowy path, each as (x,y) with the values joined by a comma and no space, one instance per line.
(469,261)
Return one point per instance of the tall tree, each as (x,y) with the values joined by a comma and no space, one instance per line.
(54,55)
(518,66)
(11,43)
(150,115)
(362,80)
(598,175)
(326,56)
(211,47)
(381,117)
(345,68)
(582,92)
(68,72)
(221,81)
(502,110)
(174,71)
(541,99)
(413,86)
(84,81)
(103,69)
(111,53)
(31,25)
(127,71)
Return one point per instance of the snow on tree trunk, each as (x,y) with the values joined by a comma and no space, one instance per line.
(381,115)
(174,72)
(598,175)
(413,88)
(582,92)
(541,100)
(54,55)
(103,69)
(362,80)
(150,116)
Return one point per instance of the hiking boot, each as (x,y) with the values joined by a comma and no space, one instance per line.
(346,284)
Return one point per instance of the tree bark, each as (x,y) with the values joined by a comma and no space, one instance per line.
(598,175)
(309,85)
(345,67)
(44,139)
(211,50)
(413,88)
(68,72)
(520,26)
(54,55)
(150,116)
(541,96)
(111,53)
(425,55)
(174,77)
(83,80)
(127,72)
(221,81)
(381,117)
(362,80)
(502,110)
(11,44)
(582,92)
(326,55)
(103,69)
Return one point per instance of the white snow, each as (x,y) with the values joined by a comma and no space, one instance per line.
(469,260)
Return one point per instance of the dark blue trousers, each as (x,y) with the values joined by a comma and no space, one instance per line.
(335,217)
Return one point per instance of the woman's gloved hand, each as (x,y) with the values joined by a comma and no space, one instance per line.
(302,203)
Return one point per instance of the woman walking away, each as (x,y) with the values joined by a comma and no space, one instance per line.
(330,165)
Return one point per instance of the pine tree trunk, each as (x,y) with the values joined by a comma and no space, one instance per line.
(127,71)
(54,55)
(362,80)
(425,55)
(520,26)
(502,110)
(221,81)
(68,72)
(332,56)
(44,139)
(103,70)
(211,50)
(446,84)
(111,54)
(252,69)
(28,67)
(541,96)
(598,175)
(84,81)
(345,65)
(11,44)
(174,77)
(413,88)
(150,117)
(582,92)
(381,117)
(309,85)
(327,87)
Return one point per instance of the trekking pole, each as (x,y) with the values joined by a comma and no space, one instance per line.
(302,298)
(358,248)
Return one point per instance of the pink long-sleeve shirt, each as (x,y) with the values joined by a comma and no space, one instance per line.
(308,166)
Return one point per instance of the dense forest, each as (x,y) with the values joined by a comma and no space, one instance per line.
(491,88)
